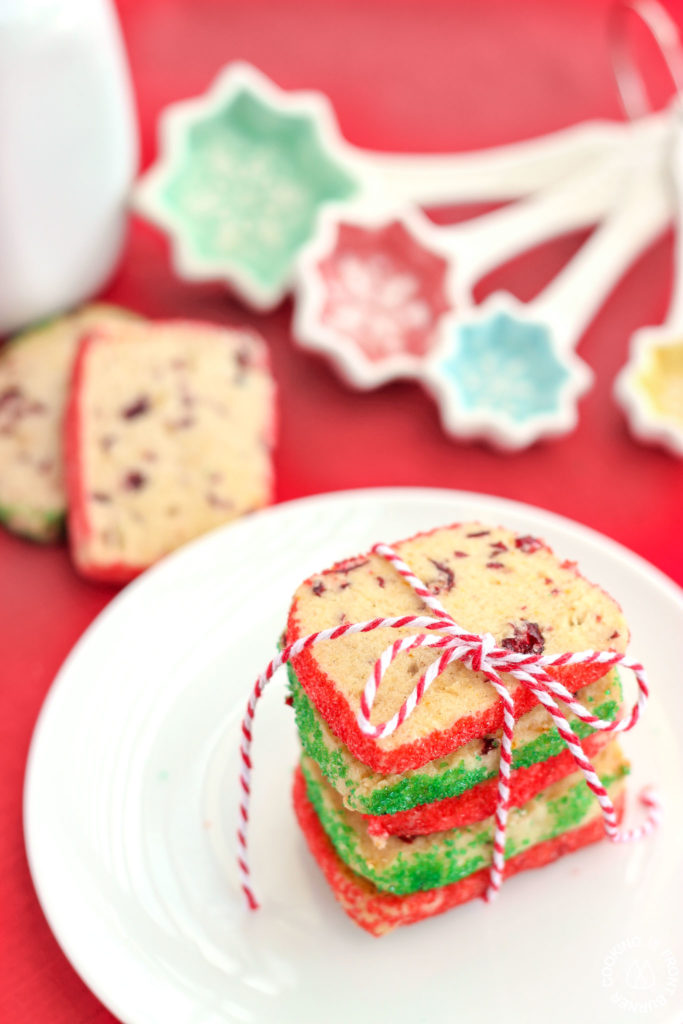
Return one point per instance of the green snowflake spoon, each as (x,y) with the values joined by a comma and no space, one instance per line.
(244,171)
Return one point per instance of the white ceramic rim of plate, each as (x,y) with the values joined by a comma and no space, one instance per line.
(70,942)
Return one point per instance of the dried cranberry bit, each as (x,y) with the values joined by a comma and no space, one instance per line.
(461,554)
(243,358)
(343,586)
(407,839)
(289,701)
(183,423)
(350,564)
(529,544)
(555,591)
(215,501)
(527,638)
(14,405)
(318,588)
(381,582)
(478,533)
(488,744)
(134,480)
(9,395)
(614,635)
(137,408)
(497,547)
(495,565)
(446,580)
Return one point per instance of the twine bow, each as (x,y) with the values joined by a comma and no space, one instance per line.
(481,654)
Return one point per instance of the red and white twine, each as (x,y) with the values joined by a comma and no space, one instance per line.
(479,653)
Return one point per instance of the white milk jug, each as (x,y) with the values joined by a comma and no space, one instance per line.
(68,153)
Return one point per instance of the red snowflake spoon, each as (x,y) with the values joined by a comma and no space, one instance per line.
(375,285)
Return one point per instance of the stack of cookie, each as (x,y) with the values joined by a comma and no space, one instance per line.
(403,826)
(139,435)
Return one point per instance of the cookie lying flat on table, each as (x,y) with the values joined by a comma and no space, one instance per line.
(169,432)
(380,912)
(35,368)
(403,866)
(489,580)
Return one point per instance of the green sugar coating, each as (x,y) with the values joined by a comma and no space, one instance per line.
(450,856)
(413,789)
(33,524)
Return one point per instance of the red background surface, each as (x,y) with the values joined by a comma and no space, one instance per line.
(428,75)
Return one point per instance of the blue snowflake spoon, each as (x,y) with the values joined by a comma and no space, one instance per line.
(508,373)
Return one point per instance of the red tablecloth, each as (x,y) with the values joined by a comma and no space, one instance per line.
(423,75)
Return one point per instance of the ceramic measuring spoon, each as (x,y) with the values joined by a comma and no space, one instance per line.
(509,374)
(244,170)
(650,387)
(374,284)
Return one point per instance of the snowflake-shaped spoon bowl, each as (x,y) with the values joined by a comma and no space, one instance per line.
(375,283)
(244,170)
(508,373)
(650,387)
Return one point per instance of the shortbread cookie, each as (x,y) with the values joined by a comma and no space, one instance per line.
(429,862)
(380,912)
(537,744)
(490,580)
(169,433)
(35,368)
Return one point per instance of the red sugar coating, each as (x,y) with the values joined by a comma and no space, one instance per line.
(380,912)
(479,802)
(341,719)
(79,521)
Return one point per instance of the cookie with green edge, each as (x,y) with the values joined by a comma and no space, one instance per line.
(403,866)
(460,787)
(490,580)
(380,912)
(168,433)
(35,369)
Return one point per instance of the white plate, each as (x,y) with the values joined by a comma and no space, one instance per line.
(131,794)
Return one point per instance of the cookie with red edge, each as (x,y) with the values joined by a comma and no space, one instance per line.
(461,781)
(169,433)
(35,368)
(490,580)
(380,912)
(406,864)
(479,802)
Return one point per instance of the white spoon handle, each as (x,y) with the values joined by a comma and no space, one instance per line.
(569,303)
(487,242)
(491,240)
(502,172)
(674,317)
